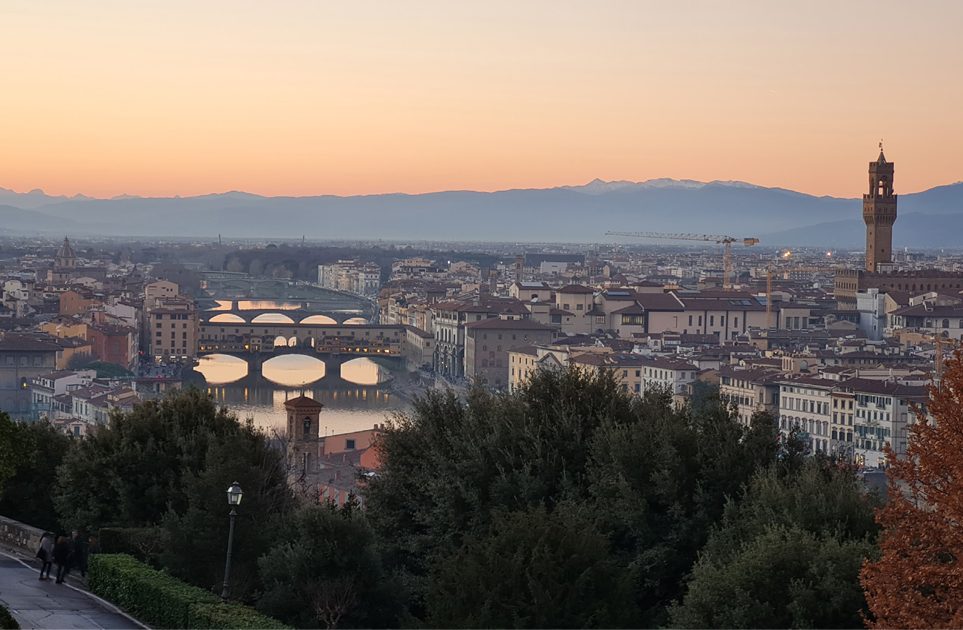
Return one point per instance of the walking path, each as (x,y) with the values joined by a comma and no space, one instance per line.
(45,604)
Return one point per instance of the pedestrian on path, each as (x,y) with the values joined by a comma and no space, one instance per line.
(45,553)
(78,553)
(61,556)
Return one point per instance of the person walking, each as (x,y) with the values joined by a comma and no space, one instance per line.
(45,553)
(78,553)
(61,556)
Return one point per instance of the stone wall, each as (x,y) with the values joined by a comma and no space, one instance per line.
(20,536)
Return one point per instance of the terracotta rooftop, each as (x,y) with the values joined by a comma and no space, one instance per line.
(302,402)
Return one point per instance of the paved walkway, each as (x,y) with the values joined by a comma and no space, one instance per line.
(45,604)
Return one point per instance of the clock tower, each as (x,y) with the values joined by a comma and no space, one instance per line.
(879,213)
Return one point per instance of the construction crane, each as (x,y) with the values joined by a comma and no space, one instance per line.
(725,241)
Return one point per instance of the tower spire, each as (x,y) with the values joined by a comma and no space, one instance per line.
(879,213)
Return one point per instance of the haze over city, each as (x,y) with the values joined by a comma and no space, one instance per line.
(481,314)
(302,98)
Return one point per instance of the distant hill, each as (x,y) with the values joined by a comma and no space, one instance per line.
(932,218)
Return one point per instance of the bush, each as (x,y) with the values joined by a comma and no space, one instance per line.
(159,599)
(222,615)
(144,543)
(7,622)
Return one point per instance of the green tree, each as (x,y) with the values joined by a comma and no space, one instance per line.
(787,577)
(532,569)
(27,495)
(12,449)
(450,462)
(787,553)
(655,479)
(197,535)
(660,485)
(132,472)
(326,571)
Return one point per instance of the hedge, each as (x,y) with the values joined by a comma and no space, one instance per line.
(7,622)
(222,615)
(159,599)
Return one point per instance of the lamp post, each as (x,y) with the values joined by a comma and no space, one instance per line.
(234,494)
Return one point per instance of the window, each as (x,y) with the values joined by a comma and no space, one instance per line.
(349,445)
(306,429)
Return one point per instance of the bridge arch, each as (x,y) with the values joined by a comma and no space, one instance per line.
(356,321)
(318,319)
(227,318)
(272,318)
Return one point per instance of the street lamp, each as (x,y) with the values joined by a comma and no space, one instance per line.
(234,494)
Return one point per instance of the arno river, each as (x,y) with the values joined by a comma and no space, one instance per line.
(359,399)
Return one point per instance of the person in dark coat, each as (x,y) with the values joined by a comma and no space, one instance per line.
(45,553)
(61,556)
(78,553)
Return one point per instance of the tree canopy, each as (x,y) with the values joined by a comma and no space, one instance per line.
(458,474)
(918,580)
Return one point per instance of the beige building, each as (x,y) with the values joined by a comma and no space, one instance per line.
(750,390)
(159,290)
(667,374)
(524,362)
(172,329)
(418,348)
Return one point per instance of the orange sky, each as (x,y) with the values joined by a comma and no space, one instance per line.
(164,97)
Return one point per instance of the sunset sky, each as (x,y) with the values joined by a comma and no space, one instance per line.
(290,97)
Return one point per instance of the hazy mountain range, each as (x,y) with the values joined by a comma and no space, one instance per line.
(928,219)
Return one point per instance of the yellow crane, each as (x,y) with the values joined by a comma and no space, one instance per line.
(725,241)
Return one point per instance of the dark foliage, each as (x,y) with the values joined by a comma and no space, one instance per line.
(36,449)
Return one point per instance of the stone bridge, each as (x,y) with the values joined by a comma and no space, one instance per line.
(251,341)
(304,314)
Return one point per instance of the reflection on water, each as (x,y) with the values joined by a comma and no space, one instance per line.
(349,406)
(364,371)
(221,368)
(293,370)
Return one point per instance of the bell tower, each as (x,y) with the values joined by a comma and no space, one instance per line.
(879,213)
(303,444)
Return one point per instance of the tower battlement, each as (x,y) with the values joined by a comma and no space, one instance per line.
(879,213)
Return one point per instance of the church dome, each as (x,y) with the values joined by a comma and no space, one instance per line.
(66,251)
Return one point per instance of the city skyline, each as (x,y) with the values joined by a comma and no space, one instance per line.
(300,99)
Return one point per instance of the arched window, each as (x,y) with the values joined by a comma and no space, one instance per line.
(306,426)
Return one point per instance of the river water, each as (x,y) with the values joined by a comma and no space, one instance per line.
(357,400)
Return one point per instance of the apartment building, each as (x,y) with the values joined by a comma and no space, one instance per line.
(172,327)
(804,403)
(751,390)
(489,341)
(353,276)
(449,321)
(667,374)
(881,412)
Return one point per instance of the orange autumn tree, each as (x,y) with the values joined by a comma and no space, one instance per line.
(918,580)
